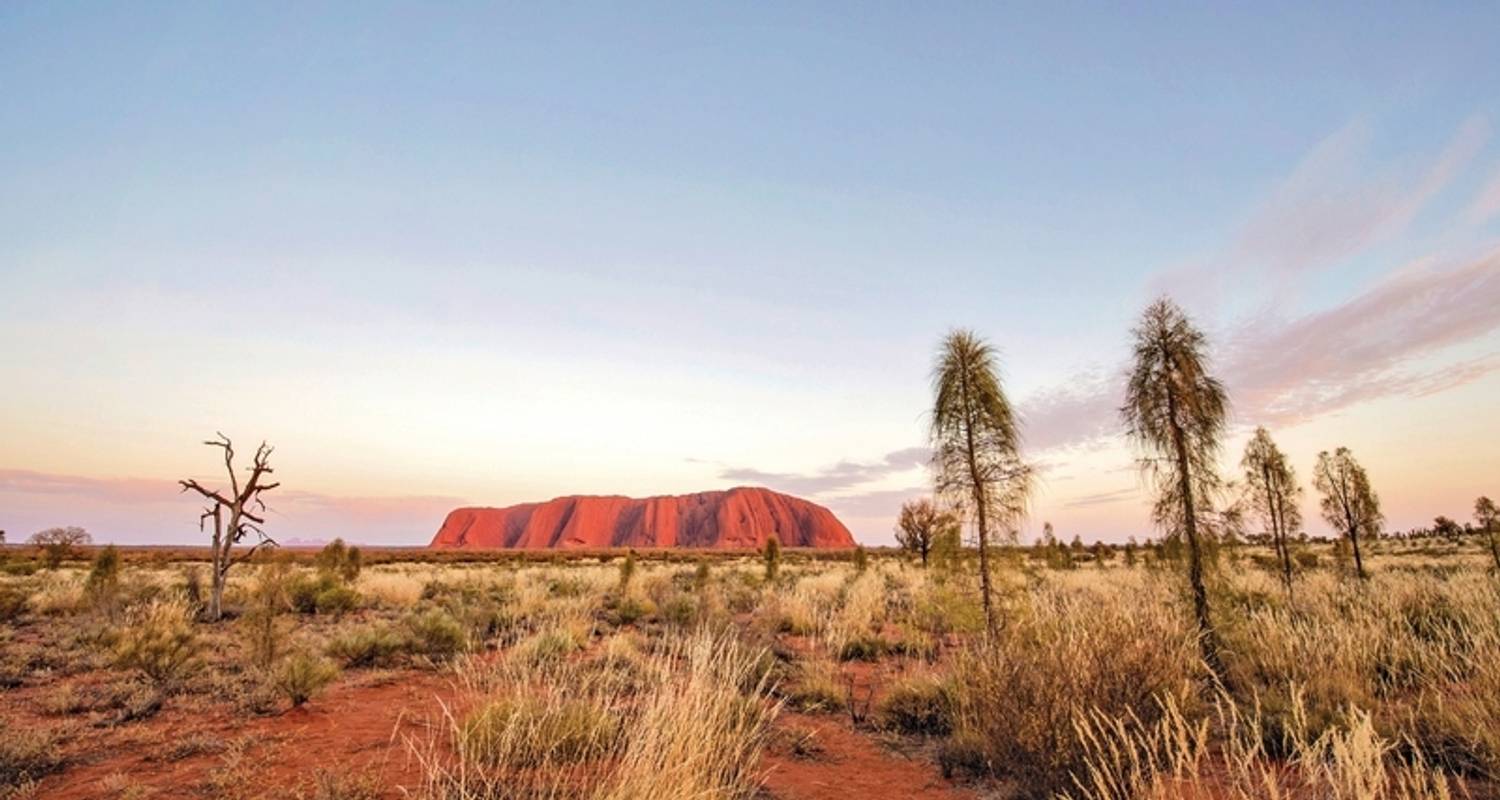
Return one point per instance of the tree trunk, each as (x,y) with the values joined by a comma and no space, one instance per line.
(216,591)
(981,509)
(1359,563)
(1351,524)
(1208,640)
(1489,528)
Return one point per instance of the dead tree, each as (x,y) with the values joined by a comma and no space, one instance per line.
(234,515)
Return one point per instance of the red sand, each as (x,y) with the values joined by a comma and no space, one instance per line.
(738,518)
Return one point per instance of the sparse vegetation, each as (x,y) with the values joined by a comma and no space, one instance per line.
(159,641)
(556,698)
(301,676)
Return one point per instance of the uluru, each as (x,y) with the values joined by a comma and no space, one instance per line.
(740,518)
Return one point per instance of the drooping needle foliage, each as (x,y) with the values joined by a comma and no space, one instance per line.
(1175,411)
(976,445)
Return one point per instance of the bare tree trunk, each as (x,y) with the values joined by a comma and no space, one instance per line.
(1208,639)
(1489,529)
(216,591)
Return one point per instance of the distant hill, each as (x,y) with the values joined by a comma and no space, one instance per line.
(744,517)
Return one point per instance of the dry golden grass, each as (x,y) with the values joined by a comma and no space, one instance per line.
(570,684)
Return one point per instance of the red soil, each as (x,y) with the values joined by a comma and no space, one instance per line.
(362,730)
(844,763)
(738,518)
(351,730)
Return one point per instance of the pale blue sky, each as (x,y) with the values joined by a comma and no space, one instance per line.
(490,254)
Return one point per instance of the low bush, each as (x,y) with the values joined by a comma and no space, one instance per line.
(815,686)
(680,610)
(12,602)
(434,633)
(921,704)
(367,646)
(324,594)
(102,587)
(630,609)
(302,675)
(547,646)
(159,640)
(263,633)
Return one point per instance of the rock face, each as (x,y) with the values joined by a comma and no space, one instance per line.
(737,518)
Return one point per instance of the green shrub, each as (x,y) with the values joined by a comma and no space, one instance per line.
(263,636)
(680,610)
(921,705)
(339,562)
(772,557)
(324,594)
(354,563)
(547,646)
(631,609)
(302,675)
(627,571)
(159,640)
(102,587)
(18,568)
(435,633)
(337,600)
(366,646)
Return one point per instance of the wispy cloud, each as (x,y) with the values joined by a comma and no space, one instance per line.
(1336,204)
(1486,204)
(1289,370)
(843,475)
(1368,347)
(1102,498)
(1080,411)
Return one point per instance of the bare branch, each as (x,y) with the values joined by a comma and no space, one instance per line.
(209,493)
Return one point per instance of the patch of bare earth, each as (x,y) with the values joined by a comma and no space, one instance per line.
(354,732)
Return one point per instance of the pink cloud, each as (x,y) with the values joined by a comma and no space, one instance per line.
(1290,370)
(1486,204)
(143,510)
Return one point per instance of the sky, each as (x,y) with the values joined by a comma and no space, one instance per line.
(492,253)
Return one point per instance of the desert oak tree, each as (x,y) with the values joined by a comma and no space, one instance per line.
(1272,491)
(976,447)
(920,524)
(235,514)
(1175,411)
(1349,504)
(1487,518)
